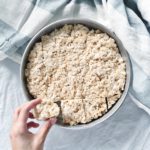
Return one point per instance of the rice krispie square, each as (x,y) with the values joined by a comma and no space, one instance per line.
(73,111)
(94,108)
(45,110)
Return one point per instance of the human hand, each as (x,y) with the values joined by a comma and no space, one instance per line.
(21,137)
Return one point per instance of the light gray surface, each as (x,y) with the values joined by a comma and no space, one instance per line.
(91,24)
(128,129)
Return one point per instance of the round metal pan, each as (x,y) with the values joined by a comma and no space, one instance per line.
(93,25)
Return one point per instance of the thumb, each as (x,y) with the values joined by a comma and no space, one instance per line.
(45,128)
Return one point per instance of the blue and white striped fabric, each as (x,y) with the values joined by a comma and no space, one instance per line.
(129,19)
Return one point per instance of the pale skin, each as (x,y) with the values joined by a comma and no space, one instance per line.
(21,137)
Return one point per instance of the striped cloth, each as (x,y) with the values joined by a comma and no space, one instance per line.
(129,19)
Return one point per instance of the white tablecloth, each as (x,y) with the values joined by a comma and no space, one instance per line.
(127,129)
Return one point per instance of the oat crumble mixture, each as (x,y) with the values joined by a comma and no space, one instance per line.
(80,67)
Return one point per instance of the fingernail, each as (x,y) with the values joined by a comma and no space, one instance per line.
(53,121)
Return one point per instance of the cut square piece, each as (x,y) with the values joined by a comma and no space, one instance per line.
(94,108)
(45,110)
(73,111)
(113,99)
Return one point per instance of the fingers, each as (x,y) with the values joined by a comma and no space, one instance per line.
(32,124)
(17,112)
(24,113)
(21,114)
(41,135)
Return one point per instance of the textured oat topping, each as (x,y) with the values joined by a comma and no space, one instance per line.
(81,68)
(46,109)
(73,111)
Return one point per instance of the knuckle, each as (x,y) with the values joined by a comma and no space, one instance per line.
(25,108)
(19,124)
(21,131)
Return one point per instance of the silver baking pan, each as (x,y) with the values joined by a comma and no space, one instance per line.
(91,24)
